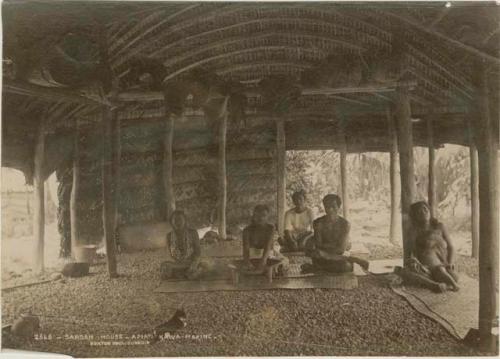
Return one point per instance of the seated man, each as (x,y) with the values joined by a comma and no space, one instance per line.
(259,240)
(298,224)
(183,251)
(331,240)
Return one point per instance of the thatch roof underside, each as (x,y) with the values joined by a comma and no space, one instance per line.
(247,43)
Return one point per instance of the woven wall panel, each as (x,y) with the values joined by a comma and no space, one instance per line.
(189,174)
(251,183)
(249,167)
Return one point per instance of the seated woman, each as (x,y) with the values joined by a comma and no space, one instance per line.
(183,251)
(259,241)
(431,252)
(298,224)
(331,240)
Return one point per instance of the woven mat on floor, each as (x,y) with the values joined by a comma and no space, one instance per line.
(457,312)
(341,281)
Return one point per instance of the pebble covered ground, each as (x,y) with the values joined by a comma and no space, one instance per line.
(369,320)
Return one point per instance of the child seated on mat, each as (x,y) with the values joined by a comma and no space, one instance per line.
(183,251)
(260,241)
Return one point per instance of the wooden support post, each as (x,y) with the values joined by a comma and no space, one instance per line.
(431,196)
(39,199)
(116,151)
(405,145)
(168,162)
(222,170)
(393,178)
(474,192)
(343,169)
(108,200)
(281,174)
(487,145)
(75,192)
(343,182)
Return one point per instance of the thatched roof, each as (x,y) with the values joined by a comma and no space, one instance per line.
(346,60)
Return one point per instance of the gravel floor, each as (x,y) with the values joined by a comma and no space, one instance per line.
(370,320)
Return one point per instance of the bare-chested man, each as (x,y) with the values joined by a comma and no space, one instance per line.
(259,241)
(331,240)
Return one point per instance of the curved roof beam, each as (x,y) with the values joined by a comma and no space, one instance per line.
(126,17)
(122,40)
(141,35)
(242,40)
(259,23)
(234,53)
(249,66)
(177,27)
